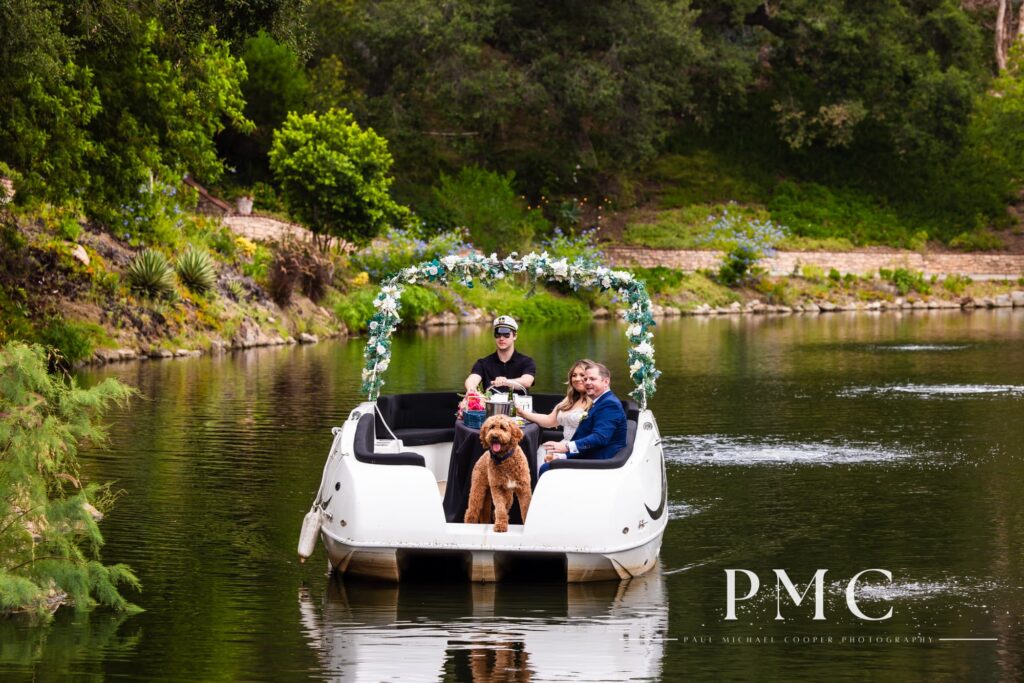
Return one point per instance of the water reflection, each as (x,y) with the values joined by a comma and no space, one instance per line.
(489,632)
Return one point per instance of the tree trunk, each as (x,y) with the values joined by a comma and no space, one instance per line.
(1020,24)
(1000,36)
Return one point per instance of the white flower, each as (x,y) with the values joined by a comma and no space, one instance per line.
(381,350)
(632,330)
(410,274)
(606,282)
(499,276)
(383,365)
(623,275)
(373,324)
(387,304)
(431,270)
(560,268)
(391,290)
(644,349)
(635,366)
(450,261)
(367,374)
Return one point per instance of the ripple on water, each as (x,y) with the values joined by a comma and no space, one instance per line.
(928,391)
(717,449)
(682,510)
(915,590)
(918,347)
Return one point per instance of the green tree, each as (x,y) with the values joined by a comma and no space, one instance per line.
(49,539)
(335,176)
(98,99)
(485,204)
(554,91)
(887,82)
(162,105)
(47,100)
(276,85)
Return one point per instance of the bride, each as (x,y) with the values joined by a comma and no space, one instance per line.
(568,413)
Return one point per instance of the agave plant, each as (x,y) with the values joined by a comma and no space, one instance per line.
(195,268)
(151,273)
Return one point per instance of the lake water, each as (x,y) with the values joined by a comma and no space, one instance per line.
(842,442)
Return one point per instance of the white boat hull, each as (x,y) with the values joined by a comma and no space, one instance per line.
(593,524)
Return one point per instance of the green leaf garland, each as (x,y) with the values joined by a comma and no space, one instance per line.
(467,269)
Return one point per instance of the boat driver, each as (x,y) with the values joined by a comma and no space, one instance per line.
(506,367)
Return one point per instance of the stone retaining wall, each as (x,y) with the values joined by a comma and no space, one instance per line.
(978,266)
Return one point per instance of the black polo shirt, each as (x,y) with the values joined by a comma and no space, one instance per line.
(491,367)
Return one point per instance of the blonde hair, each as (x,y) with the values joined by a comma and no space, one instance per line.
(571,395)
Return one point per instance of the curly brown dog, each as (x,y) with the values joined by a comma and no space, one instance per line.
(500,473)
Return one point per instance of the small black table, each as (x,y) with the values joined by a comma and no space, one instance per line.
(466,450)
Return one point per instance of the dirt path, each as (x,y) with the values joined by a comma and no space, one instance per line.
(265,228)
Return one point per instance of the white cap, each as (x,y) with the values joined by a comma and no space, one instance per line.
(506,321)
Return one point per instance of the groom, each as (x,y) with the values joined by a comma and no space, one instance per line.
(602,433)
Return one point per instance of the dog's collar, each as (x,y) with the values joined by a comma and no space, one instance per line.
(498,459)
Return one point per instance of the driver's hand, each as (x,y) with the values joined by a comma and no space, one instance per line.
(500,381)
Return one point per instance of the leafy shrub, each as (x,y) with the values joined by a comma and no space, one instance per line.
(62,220)
(400,248)
(956,284)
(812,273)
(746,241)
(486,205)
(211,232)
(73,341)
(778,292)
(419,302)
(737,264)
(43,419)
(906,281)
(977,240)
(660,279)
(545,307)
(150,273)
(918,241)
(153,216)
(355,308)
(266,198)
(259,266)
(834,275)
(195,269)
(572,246)
(512,299)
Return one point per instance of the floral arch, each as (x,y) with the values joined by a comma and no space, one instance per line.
(487,270)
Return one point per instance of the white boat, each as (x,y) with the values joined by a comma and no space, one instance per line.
(381,509)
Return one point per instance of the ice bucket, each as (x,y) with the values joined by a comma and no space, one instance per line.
(498,408)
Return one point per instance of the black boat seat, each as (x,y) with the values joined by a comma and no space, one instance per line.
(364,443)
(617,460)
(418,419)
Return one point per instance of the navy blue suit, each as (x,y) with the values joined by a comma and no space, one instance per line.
(602,434)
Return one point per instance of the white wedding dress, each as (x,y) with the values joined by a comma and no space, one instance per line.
(568,420)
